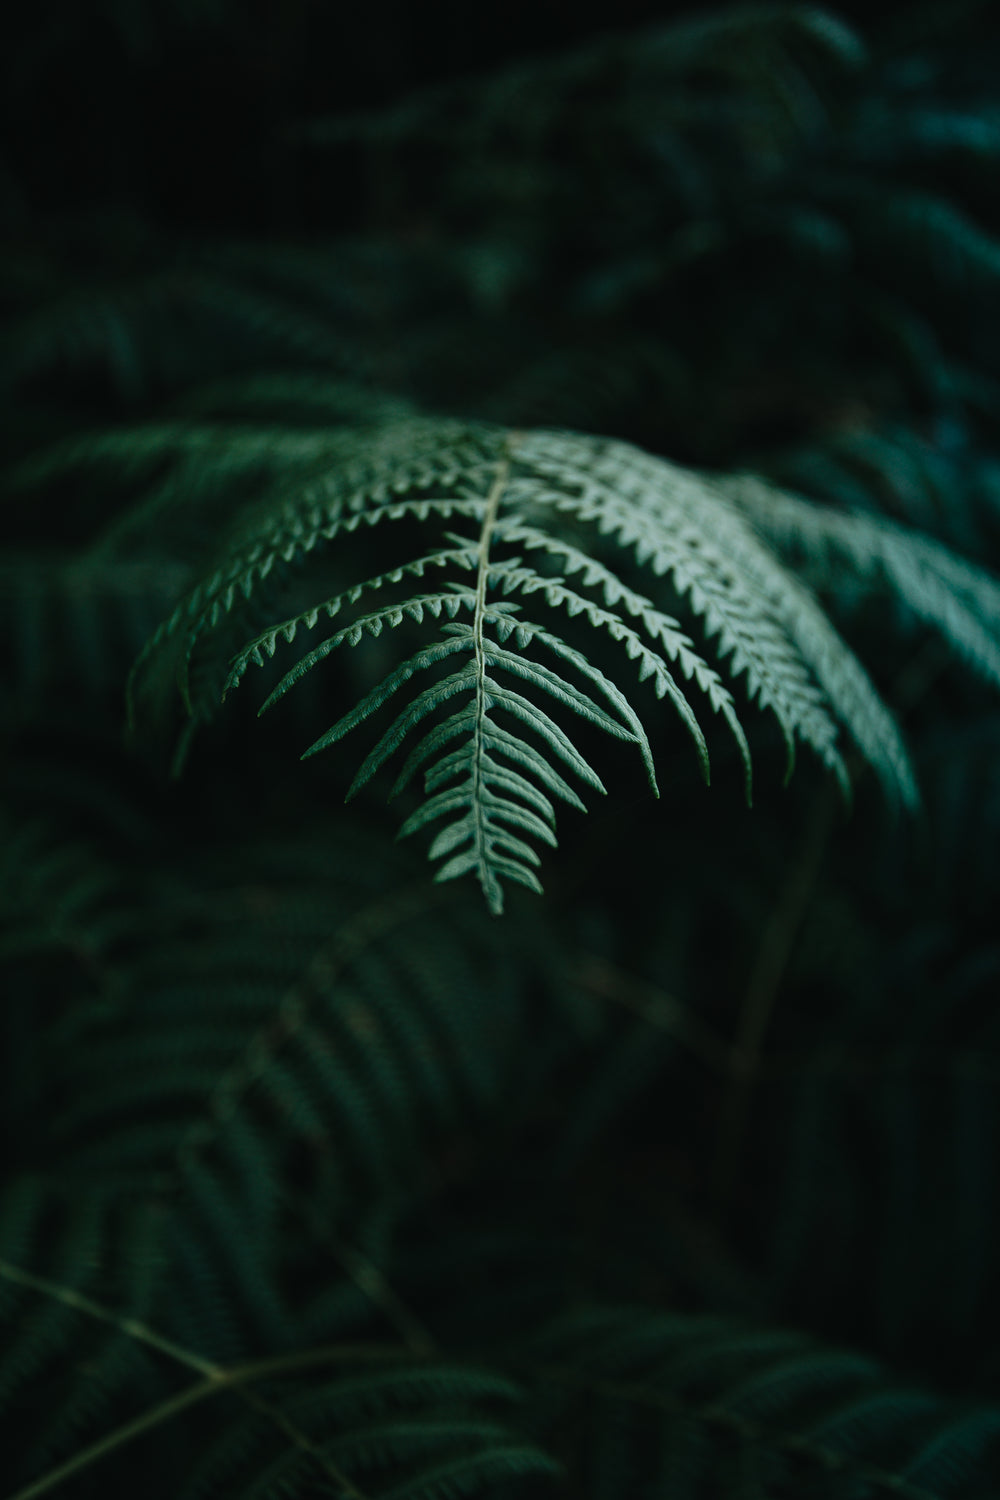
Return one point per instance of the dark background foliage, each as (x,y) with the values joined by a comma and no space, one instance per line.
(683,1180)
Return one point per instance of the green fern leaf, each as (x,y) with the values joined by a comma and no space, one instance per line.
(681,526)
(961,600)
(625,508)
(777,1413)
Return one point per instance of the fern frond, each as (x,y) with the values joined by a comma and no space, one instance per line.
(79,622)
(249,1085)
(962,601)
(490,809)
(86,1239)
(545,501)
(694,1405)
(127,327)
(663,629)
(893,471)
(766,624)
(402,1429)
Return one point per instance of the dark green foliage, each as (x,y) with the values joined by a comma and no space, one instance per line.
(709,1405)
(579,414)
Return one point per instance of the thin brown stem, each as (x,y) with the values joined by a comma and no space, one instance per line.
(216,1378)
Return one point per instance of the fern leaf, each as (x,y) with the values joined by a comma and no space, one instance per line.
(634,513)
(777,1412)
(419,708)
(427,1429)
(266,643)
(940,587)
(662,629)
(372,625)
(504,743)
(490,800)
(77,623)
(680,525)
(651,663)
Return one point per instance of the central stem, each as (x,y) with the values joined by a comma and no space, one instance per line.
(493,500)
(491,888)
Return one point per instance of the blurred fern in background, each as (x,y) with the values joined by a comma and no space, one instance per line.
(560,413)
